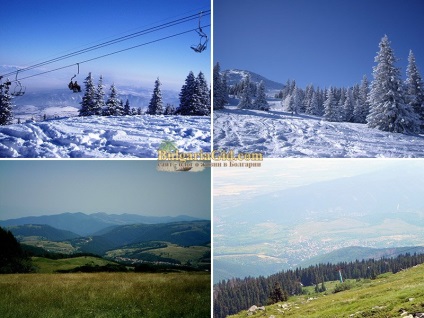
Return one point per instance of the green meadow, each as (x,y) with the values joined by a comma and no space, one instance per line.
(105,295)
(389,295)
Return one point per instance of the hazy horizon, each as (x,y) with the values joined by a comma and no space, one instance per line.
(47,187)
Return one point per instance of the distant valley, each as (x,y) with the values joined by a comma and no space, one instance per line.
(309,224)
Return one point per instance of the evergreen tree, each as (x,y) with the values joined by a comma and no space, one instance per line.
(169,110)
(261,102)
(313,108)
(388,108)
(100,98)
(12,257)
(246,95)
(88,103)
(330,107)
(348,106)
(113,103)
(277,294)
(202,89)
(362,107)
(156,105)
(415,88)
(127,108)
(6,115)
(296,106)
(218,88)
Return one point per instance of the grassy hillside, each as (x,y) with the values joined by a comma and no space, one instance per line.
(105,295)
(46,265)
(389,295)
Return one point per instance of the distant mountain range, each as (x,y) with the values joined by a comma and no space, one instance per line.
(234,76)
(89,224)
(65,103)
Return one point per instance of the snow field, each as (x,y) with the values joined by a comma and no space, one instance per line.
(99,136)
(279,134)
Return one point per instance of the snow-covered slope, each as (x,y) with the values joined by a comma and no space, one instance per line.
(234,76)
(280,134)
(97,136)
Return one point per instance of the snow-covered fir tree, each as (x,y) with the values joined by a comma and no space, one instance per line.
(202,89)
(88,103)
(296,106)
(313,108)
(260,102)
(127,108)
(189,97)
(348,106)
(246,95)
(361,105)
(169,109)
(99,106)
(114,104)
(6,105)
(219,89)
(415,88)
(156,104)
(331,112)
(388,109)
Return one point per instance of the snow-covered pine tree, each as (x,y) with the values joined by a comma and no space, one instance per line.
(189,96)
(6,105)
(246,94)
(260,102)
(88,103)
(296,106)
(388,109)
(202,88)
(348,106)
(415,88)
(308,98)
(156,104)
(218,88)
(313,108)
(113,103)
(362,106)
(330,107)
(99,106)
(127,108)
(169,110)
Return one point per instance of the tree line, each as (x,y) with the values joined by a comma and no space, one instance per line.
(387,103)
(236,294)
(194,100)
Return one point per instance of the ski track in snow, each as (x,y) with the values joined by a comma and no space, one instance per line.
(98,137)
(279,134)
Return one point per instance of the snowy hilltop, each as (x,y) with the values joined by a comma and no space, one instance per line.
(104,136)
(384,118)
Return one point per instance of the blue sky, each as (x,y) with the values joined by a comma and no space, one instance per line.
(324,42)
(35,31)
(43,187)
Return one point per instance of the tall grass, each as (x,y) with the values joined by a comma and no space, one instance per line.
(105,295)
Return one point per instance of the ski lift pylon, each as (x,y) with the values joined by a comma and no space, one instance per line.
(199,48)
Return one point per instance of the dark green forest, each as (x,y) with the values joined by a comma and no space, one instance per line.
(13,259)
(234,295)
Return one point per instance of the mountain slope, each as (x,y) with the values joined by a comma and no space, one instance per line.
(44,232)
(390,295)
(180,233)
(234,76)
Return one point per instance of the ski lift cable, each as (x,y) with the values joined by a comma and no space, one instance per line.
(112,53)
(111,42)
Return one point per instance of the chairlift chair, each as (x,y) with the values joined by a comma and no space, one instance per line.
(74,86)
(19,90)
(199,48)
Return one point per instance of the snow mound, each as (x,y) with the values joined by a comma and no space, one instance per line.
(279,134)
(98,137)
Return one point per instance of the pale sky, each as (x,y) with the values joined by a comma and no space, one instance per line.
(43,187)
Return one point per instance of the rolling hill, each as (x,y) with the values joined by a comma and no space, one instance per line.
(89,224)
